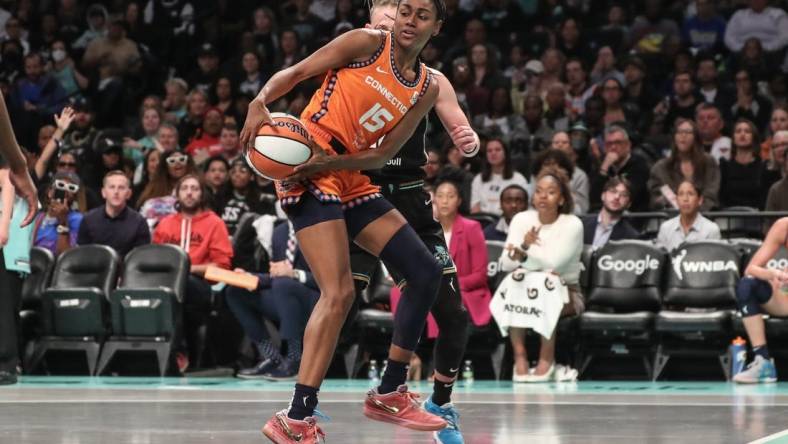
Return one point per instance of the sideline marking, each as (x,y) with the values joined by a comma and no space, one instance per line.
(773,438)
(359,401)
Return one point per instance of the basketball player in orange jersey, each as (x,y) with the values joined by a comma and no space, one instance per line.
(401,182)
(373,87)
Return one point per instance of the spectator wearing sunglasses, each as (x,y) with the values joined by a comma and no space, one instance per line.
(57,225)
(157,199)
(67,162)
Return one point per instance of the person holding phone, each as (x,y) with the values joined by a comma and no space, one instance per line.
(57,225)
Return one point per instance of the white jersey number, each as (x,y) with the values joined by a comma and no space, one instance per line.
(376,118)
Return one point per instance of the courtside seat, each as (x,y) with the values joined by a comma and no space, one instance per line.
(494,273)
(42,264)
(748,246)
(376,315)
(677,321)
(621,304)
(616,322)
(146,306)
(74,308)
(484,219)
(374,323)
(248,253)
(732,227)
(585,272)
(699,301)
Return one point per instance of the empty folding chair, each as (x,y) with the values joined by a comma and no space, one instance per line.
(699,302)
(494,273)
(375,322)
(74,307)
(146,306)
(42,263)
(621,304)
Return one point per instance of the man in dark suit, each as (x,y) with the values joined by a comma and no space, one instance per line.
(608,225)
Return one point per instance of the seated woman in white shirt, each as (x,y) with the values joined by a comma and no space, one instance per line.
(497,174)
(548,238)
(689,225)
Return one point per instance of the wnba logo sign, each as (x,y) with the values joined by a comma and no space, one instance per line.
(681,266)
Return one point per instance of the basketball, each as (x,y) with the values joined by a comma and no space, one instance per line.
(279,147)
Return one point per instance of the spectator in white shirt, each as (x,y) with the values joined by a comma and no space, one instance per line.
(689,225)
(767,24)
(548,238)
(497,173)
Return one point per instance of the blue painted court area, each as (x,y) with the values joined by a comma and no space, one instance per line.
(123,410)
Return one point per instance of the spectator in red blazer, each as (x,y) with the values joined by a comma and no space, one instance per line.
(468,250)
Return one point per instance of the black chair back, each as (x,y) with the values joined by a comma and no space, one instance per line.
(75,304)
(42,263)
(703,275)
(154,282)
(86,266)
(157,266)
(626,276)
(248,253)
(484,219)
(494,273)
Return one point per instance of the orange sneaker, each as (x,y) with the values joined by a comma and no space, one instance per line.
(282,430)
(401,408)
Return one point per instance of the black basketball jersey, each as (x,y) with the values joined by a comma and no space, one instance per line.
(407,164)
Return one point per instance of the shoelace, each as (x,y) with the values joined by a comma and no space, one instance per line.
(452,418)
(318,431)
(414,399)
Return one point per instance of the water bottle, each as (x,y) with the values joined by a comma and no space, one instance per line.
(467,372)
(738,354)
(373,373)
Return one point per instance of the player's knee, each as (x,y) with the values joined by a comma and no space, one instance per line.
(427,274)
(751,293)
(339,300)
(450,317)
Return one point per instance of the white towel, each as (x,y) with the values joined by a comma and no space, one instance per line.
(529,300)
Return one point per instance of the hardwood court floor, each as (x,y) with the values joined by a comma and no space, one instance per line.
(72,410)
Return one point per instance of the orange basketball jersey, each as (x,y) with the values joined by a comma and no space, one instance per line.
(359,104)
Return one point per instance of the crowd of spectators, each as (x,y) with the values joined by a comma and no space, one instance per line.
(656,105)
